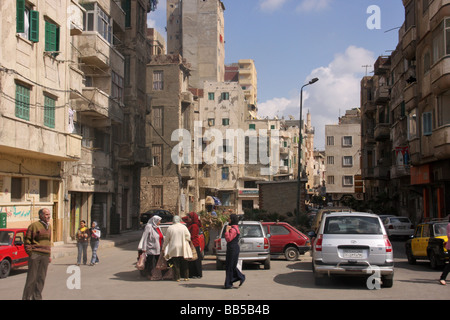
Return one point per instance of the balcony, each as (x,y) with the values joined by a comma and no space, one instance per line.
(382,94)
(100,107)
(95,51)
(187,172)
(409,43)
(382,65)
(440,76)
(76,82)
(441,142)
(410,96)
(19,138)
(369,106)
(400,171)
(382,131)
(284,150)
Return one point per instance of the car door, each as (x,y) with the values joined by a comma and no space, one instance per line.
(415,242)
(423,243)
(20,257)
(278,234)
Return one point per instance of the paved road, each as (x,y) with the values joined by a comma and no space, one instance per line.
(116,278)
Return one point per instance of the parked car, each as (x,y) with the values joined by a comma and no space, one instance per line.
(398,226)
(254,245)
(286,240)
(352,243)
(427,243)
(164,226)
(166,215)
(12,250)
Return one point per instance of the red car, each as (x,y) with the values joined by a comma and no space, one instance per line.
(12,250)
(286,240)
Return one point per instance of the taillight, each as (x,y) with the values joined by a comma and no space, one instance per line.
(218,244)
(387,244)
(266,243)
(318,244)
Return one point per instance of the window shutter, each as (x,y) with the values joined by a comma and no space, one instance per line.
(50,36)
(20,16)
(34,26)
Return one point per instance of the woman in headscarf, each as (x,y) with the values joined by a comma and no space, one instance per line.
(177,249)
(232,273)
(193,224)
(151,243)
(95,240)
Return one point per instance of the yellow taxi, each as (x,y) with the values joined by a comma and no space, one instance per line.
(428,243)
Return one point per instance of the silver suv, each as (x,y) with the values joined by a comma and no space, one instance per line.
(253,242)
(352,243)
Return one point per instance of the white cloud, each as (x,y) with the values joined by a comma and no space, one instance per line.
(313,5)
(269,5)
(337,90)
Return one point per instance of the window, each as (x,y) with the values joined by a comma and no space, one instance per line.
(27,21)
(17,189)
(252,126)
(157,119)
(22,102)
(225,96)
(116,86)
(126,6)
(330,180)
(51,37)
(225,147)
(44,191)
(330,159)
(441,40)
(347,161)
(95,19)
(347,141)
(443,109)
(278,230)
(158,80)
(347,181)
(157,155)
(211,122)
(225,122)
(225,173)
(330,141)
(211,96)
(427,124)
(412,124)
(49,112)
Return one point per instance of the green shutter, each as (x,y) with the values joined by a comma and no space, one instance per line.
(22,102)
(49,112)
(34,26)
(20,16)
(51,37)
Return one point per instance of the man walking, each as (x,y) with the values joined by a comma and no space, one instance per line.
(38,246)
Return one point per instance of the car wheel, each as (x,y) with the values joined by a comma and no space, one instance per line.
(435,262)
(387,281)
(5,268)
(409,255)
(267,264)
(291,254)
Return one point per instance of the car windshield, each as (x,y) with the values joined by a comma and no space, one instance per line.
(352,225)
(440,229)
(399,220)
(6,238)
(248,231)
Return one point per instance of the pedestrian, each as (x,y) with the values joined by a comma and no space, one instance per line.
(82,242)
(177,249)
(95,234)
(193,224)
(38,243)
(232,234)
(151,244)
(447,266)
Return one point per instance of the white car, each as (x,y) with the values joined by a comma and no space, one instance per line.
(353,243)
(398,226)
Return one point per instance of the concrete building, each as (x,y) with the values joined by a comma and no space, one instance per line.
(342,150)
(38,82)
(167,183)
(204,50)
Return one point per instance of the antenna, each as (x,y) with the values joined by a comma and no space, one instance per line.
(366,66)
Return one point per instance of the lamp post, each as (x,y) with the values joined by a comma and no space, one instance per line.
(299,173)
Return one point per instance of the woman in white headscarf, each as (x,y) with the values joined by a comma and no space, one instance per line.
(151,243)
(177,248)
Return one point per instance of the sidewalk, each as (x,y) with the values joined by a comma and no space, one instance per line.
(70,249)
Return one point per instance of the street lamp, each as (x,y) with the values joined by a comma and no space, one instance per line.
(299,173)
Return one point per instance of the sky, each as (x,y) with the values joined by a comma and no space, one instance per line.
(293,41)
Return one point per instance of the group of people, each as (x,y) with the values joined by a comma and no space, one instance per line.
(176,249)
(85,236)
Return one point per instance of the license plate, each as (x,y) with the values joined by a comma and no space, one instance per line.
(246,246)
(353,254)
(401,227)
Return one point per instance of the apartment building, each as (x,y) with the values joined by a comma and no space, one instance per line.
(171,180)
(38,84)
(342,150)
(416,137)
(205,50)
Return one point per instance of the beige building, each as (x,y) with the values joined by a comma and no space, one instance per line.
(342,150)
(38,84)
(204,50)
